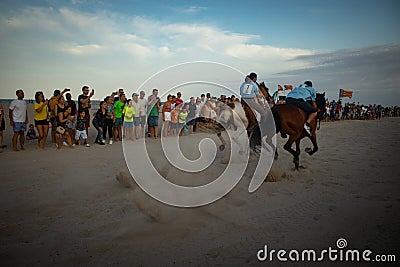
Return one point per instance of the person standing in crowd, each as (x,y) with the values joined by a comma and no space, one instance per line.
(182,120)
(174,121)
(206,113)
(72,123)
(118,119)
(166,114)
(203,100)
(18,119)
(153,109)
(53,114)
(142,112)
(178,100)
(99,121)
(136,119)
(61,133)
(118,94)
(40,115)
(199,106)
(108,123)
(2,126)
(81,128)
(84,104)
(129,114)
(191,119)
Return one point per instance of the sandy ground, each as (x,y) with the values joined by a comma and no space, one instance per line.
(66,208)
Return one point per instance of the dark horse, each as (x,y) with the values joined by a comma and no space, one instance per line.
(289,120)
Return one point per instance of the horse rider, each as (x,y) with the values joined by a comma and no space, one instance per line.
(250,94)
(303,97)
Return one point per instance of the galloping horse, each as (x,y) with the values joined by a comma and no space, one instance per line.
(289,120)
(247,117)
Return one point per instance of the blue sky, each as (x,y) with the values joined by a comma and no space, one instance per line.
(110,44)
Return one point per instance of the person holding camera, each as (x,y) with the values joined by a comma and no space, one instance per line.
(84,105)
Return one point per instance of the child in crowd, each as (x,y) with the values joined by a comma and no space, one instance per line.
(81,128)
(129,114)
(182,120)
(174,120)
(31,134)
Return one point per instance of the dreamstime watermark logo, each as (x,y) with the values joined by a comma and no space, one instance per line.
(150,167)
(331,254)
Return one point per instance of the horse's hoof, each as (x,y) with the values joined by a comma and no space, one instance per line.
(308,150)
(221,147)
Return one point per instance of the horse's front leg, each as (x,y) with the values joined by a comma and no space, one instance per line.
(288,147)
(313,139)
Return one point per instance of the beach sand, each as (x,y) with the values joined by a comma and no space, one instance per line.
(66,208)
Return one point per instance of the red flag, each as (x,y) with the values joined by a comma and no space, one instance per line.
(288,87)
(280,87)
(345,93)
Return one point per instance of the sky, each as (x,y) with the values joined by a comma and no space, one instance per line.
(354,45)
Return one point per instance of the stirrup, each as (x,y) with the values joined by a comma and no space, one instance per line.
(307,128)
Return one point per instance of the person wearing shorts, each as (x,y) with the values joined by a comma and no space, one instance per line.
(84,104)
(191,119)
(153,105)
(136,119)
(81,129)
(142,111)
(41,113)
(129,116)
(18,119)
(166,114)
(118,119)
(174,120)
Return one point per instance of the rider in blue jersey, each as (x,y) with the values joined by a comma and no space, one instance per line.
(303,97)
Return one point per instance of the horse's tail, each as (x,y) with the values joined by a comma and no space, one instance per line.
(277,119)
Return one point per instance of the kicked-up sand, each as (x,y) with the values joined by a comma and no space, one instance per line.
(80,207)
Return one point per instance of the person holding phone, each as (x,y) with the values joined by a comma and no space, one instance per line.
(84,105)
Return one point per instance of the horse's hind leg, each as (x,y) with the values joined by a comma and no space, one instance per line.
(288,147)
(298,147)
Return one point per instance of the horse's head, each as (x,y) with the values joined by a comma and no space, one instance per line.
(265,91)
(321,103)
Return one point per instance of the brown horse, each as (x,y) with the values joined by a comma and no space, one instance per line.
(290,120)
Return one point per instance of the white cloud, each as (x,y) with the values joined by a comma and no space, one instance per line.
(83,49)
(118,45)
(191,9)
